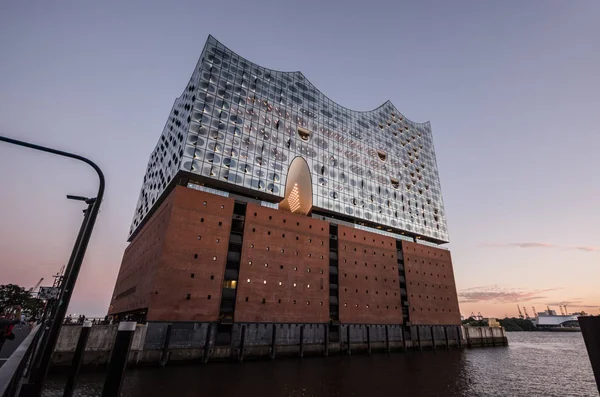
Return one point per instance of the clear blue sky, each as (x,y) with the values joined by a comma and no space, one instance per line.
(511,88)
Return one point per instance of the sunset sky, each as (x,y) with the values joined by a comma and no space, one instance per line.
(512,90)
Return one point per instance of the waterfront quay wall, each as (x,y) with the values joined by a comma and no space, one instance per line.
(160,343)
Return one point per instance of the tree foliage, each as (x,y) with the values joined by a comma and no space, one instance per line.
(12,295)
(517,324)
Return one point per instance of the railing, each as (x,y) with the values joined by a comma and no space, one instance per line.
(11,373)
(94,320)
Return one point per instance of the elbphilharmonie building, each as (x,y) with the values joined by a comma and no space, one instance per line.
(267,202)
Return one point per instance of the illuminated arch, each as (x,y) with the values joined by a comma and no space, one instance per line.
(298,188)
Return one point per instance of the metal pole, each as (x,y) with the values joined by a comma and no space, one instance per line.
(78,358)
(403,338)
(71,278)
(69,268)
(274,342)
(301,341)
(165,350)
(118,359)
(387,338)
(446,337)
(39,376)
(206,354)
(326,351)
(348,336)
(242,343)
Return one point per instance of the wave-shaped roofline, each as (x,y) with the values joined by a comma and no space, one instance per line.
(426,123)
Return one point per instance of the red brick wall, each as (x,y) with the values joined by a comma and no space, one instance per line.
(140,261)
(200,224)
(368,276)
(298,253)
(430,285)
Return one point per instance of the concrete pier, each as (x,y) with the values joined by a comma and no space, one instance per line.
(187,341)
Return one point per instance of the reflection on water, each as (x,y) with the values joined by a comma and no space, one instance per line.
(535,364)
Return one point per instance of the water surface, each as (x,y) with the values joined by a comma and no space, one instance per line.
(534,364)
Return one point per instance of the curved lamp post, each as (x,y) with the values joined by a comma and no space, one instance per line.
(72,271)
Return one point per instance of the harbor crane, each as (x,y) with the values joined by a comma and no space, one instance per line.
(534,312)
(561,310)
(479,316)
(36,285)
(526,314)
(566,312)
(520,314)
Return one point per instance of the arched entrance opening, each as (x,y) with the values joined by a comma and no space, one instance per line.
(298,188)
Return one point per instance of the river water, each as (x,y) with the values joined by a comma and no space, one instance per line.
(534,364)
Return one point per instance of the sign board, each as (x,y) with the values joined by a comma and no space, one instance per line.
(48,293)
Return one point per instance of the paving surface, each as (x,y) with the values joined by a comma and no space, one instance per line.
(11,345)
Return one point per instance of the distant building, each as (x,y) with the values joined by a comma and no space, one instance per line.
(491,322)
(265,201)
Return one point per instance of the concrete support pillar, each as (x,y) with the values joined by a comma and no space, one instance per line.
(459,336)
(432,337)
(368,339)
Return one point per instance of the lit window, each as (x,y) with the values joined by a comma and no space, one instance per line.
(248,280)
(266,265)
(214,258)
(308,286)
(250,262)
(303,133)
(280,283)
(264,281)
(294,284)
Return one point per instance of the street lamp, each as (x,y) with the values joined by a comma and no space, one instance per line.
(36,379)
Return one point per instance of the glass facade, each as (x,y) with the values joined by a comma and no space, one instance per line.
(243,124)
